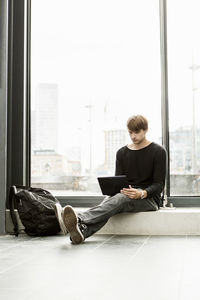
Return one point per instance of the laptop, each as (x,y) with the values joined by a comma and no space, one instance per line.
(111,185)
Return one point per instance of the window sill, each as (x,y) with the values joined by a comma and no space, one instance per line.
(176,221)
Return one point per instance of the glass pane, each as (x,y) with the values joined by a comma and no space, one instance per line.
(184,96)
(94,63)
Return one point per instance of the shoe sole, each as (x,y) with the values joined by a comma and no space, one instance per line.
(58,212)
(71,223)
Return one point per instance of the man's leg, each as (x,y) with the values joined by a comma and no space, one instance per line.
(96,217)
(85,224)
(107,208)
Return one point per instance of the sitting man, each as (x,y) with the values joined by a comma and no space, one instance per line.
(144,164)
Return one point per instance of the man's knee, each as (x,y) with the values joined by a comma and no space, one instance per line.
(121,199)
(118,199)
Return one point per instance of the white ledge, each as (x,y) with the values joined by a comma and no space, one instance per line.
(176,221)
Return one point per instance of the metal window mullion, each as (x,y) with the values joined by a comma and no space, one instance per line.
(164,87)
(27,88)
(3,109)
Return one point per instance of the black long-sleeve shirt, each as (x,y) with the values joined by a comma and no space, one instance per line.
(145,168)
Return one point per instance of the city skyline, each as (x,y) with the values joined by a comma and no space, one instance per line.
(74,169)
(106,72)
(45,136)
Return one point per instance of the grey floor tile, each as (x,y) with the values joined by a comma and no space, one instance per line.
(190,277)
(103,267)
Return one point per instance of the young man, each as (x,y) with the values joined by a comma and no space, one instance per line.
(144,164)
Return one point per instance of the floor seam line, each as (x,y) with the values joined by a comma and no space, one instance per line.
(108,239)
(17,264)
(139,249)
(180,290)
(19,243)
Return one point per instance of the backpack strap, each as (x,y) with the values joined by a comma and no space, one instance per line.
(12,193)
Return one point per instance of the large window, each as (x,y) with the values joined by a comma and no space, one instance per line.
(184,96)
(93,64)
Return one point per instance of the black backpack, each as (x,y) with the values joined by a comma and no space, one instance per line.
(36,210)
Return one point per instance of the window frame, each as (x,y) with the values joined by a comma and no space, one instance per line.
(3,109)
(18,115)
(20,99)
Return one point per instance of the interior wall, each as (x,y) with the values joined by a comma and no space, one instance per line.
(3,108)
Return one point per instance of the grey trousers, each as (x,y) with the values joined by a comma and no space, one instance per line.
(96,217)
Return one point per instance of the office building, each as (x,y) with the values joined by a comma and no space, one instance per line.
(46,116)
(114,139)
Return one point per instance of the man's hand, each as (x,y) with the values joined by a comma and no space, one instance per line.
(131,192)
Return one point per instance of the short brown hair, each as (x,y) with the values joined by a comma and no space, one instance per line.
(136,123)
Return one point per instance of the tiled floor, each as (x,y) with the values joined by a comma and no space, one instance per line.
(102,268)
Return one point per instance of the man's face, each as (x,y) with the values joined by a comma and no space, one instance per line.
(137,137)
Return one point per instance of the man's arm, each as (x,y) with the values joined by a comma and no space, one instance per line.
(118,164)
(159,173)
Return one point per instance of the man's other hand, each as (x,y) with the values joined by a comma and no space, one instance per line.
(131,192)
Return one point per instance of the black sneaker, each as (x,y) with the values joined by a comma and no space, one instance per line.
(71,223)
(59,212)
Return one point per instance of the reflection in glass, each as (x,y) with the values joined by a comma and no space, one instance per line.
(95,65)
(184,96)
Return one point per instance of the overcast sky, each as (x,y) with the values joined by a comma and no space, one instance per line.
(107,54)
